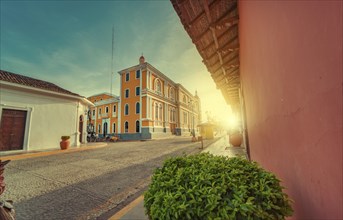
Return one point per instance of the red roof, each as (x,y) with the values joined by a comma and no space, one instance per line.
(36,83)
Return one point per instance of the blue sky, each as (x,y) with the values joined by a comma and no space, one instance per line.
(69,43)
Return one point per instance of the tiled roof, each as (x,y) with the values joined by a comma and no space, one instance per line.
(36,83)
(213,27)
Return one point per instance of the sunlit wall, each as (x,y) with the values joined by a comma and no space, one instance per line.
(291,71)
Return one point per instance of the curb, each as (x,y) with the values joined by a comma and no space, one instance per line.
(25,155)
(127,208)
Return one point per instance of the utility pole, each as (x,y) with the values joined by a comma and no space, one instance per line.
(112,60)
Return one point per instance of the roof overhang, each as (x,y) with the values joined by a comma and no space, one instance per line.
(213,28)
(4,84)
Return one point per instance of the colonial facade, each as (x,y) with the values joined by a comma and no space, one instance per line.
(103,116)
(150,105)
(34,114)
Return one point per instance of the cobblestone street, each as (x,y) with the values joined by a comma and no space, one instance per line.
(91,184)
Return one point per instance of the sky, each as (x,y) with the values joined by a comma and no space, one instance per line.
(69,43)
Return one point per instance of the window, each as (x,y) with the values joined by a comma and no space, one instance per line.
(158,86)
(114,128)
(137,108)
(93,112)
(171,95)
(137,126)
(156,111)
(126,109)
(99,129)
(114,108)
(126,127)
(172,115)
(99,112)
(126,93)
(137,90)
(184,99)
(138,74)
(106,109)
(160,112)
(127,77)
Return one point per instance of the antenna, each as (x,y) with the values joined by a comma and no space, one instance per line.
(112,59)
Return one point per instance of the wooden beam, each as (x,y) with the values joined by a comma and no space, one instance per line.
(229,62)
(225,22)
(225,47)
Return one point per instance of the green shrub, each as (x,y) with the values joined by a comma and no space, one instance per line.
(65,138)
(204,186)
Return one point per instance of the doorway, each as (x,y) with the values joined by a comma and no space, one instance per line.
(81,128)
(105,129)
(12,129)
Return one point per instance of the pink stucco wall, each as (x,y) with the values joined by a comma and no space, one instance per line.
(291,71)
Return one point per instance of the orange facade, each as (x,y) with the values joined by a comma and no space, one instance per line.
(149,105)
(130,100)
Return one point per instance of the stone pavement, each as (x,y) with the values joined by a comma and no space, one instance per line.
(135,210)
(37,183)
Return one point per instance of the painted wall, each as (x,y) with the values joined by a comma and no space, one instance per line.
(291,71)
(132,117)
(99,97)
(48,118)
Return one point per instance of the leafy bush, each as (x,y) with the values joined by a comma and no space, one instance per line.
(65,138)
(204,186)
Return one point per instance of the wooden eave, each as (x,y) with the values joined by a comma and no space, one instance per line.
(213,27)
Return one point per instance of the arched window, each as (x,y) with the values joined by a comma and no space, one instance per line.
(137,107)
(137,126)
(160,112)
(156,111)
(158,86)
(126,127)
(170,114)
(174,117)
(126,109)
(172,93)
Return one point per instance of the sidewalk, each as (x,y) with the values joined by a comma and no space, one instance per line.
(135,210)
(45,152)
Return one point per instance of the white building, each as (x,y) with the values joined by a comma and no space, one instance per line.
(34,114)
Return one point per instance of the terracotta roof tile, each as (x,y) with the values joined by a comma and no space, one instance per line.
(36,83)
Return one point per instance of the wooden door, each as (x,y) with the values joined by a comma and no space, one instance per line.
(81,128)
(12,129)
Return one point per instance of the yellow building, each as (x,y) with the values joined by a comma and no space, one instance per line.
(104,115)
(150,106)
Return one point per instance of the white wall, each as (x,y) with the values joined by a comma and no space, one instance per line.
(48,117)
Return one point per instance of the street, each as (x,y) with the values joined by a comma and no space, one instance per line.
(91,184)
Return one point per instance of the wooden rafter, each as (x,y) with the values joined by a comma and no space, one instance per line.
(213,28)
